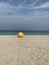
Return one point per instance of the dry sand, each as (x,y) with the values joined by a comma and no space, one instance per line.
(29,50)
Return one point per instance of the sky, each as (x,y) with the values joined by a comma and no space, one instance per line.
(24,15)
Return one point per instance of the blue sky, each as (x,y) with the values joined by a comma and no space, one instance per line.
(24,15)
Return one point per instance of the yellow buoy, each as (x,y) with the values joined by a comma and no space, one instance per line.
(20,34)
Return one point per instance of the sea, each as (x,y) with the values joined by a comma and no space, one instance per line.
(15,32)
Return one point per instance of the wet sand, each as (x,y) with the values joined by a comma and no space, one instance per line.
(29,50)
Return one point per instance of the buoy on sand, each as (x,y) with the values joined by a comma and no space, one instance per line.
(20,34)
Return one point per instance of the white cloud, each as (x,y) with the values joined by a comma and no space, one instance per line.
(45,5)
(6,7)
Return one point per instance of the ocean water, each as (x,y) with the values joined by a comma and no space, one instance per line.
(14,32)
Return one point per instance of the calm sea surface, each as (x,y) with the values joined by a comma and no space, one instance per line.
(13,32)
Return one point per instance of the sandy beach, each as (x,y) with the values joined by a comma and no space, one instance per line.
(29,50)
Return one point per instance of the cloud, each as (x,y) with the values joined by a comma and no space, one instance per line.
(7,7)
(45,5)
(25,15)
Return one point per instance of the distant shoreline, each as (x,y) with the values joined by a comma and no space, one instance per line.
(12,32)
(25,30)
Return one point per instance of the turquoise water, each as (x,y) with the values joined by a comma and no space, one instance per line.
(13,32)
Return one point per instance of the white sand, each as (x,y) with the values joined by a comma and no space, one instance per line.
(29,50)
